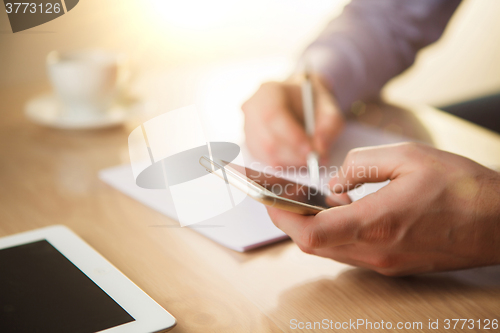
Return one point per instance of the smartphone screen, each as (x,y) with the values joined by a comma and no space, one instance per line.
(287,188)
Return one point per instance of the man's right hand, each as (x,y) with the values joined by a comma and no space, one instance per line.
(274,123)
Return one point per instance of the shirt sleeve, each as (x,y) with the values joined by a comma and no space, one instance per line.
(374,40)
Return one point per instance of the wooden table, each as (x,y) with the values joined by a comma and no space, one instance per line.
(50,177)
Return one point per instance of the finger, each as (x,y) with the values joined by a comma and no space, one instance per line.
(333,227)
(342,254)
(338,199)
(293,93)
(287,129)
(287,155)
(290,223)
(262,145)
(269,114)
(362,255)
(372,164)
(329,121)
(266,147)
(273,106)
(364,258)
(389,261)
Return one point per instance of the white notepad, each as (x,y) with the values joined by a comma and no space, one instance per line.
(247,226)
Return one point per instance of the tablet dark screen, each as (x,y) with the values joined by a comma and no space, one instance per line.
(42,291)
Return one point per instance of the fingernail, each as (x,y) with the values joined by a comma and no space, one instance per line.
(339,199)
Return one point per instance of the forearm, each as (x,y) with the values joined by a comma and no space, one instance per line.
(487,212)
(373,41)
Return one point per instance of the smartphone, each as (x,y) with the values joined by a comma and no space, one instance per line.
(268,189)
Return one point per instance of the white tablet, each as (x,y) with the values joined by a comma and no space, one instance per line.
(52,281)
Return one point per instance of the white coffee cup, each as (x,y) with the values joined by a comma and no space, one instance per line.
(88,83)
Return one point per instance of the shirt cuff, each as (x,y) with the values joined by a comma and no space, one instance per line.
(341,68)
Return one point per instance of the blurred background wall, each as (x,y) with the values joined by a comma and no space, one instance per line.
(164,34)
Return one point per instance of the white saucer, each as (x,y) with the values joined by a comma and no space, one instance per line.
(47,110)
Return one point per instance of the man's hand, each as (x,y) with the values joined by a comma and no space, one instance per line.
(274,123)
(439,212)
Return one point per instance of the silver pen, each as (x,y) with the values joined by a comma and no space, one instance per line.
(309,120)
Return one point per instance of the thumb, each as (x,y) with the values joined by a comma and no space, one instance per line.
(367,165)
(329,119)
